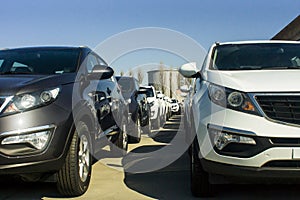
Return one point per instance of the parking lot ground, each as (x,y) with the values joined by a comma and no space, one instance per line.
(110,181)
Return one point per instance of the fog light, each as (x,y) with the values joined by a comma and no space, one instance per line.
(222,139)
(38,140)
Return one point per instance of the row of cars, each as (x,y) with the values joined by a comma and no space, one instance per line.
(148,109)
(162,106)
(59,106)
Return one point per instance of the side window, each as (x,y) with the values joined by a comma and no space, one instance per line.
(101,62)
(20,68)
(91,61)
(1,62)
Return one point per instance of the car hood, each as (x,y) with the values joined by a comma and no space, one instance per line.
(257,80)
(16,84)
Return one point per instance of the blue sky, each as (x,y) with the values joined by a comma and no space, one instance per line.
(90,22)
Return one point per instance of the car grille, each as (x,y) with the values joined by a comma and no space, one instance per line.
(283,163)
(282,108)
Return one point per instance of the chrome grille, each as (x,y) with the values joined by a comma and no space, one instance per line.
(284,108)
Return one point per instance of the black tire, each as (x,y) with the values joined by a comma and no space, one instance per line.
(136,137)
(147,129)
(200,185)
(74,177)
(156,124)
(163,120)
(120,146)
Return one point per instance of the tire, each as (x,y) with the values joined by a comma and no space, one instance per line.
(147,129)
(74,177)
(120,146)
(136,137)
(156,124)
(200,185)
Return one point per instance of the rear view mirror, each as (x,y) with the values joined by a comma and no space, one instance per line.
(189,70)
(101,72)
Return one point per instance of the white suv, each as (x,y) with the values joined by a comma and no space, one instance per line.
(245,112)
(155,106)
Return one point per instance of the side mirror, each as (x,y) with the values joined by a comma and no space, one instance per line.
(101,72)
(189,70)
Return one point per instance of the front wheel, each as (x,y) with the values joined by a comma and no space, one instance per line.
(136,137)
(156,124)
(147,129)
(120,146)
(200,185)
(74,177)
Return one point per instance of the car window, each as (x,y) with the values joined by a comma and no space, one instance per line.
(101,61)
(39,61)
(21,68)
(150,92)
(1,62)
(256,56)
(91,61)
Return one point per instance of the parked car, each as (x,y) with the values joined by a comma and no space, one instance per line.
(244,112)
(139,109)
(155,106)
(52,123)
(163,107)
(168,107)
(175,107)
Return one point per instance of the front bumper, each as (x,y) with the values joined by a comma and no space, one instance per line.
(277,145)
(17,158)
(249,172)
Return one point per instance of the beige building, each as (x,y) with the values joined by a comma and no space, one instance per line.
(166,80)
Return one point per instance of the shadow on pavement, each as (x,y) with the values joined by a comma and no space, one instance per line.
(173,181)
(13,188)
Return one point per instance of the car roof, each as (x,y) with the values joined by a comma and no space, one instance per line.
(258,42)
(46,48)
(146,86)
(125,77)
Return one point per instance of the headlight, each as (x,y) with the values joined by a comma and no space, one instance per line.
(27,101)
(231,99)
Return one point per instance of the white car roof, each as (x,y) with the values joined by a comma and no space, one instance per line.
(258,41)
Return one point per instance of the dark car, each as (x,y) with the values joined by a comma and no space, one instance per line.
(139,109)
(57,106)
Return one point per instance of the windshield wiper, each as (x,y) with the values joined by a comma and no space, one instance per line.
(282,67)
(250,67)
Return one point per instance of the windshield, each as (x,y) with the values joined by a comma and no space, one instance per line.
(256,56)
(39,61)
(149,92)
